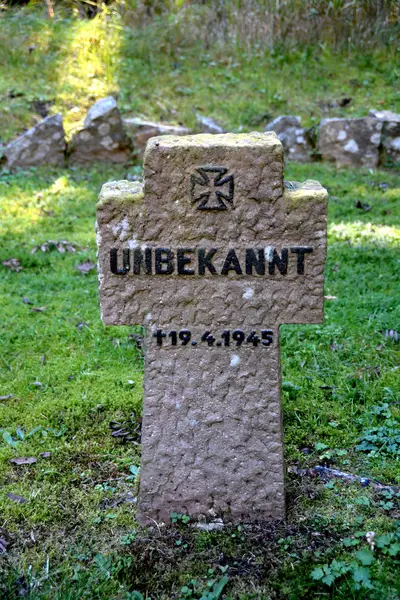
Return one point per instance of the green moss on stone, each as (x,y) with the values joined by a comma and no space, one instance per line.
(309,191)
(121,192)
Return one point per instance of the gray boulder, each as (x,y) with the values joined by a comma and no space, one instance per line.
(390,134)
(384,115)
(293,136)
(208,125)
(43,144)
(140,131)
(351,142)
(103,138)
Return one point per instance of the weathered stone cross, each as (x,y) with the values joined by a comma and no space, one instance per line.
(212,253)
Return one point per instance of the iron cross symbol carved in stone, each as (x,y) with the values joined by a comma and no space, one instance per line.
(211,188)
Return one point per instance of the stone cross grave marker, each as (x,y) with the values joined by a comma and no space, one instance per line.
(211,254)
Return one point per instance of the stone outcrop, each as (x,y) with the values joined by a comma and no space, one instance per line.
(140,131)
(103,138)
(293,136)
(351,142)
(390,134)
(106,137)
(208,125)
(43,144)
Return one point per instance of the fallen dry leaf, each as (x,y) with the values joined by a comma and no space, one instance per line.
(61,246)
(39,309)
(86,267)
(30,460)
(13,264)
(135,337)
(16,498)
(330,297)
(392,334)
(362,205)
(47,213)
(383,186)
(128,431)
(345,101)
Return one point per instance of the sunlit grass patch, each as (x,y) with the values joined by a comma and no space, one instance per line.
(65,63)
(359,233)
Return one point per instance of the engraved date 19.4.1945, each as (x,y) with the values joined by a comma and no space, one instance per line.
(236,337)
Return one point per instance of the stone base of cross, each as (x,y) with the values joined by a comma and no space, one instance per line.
(211,254)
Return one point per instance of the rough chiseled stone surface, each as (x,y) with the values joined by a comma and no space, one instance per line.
(351,142)
(103,137)
(43,144)
(293,136)
(212,434)
(390,133)
(140,131)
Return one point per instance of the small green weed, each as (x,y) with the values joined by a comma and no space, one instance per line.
(179,518)
(211,589)
(135,474)
(384,438)
(358,569)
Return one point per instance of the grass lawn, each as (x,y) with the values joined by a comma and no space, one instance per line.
(69,518)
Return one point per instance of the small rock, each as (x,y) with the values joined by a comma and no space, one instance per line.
(294,138)
(208,125)
(216,525)
(103,138)
(140,131)
(43,144)
(351,142)
(390,133)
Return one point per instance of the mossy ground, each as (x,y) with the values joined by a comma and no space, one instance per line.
(76,534)
(64,377)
